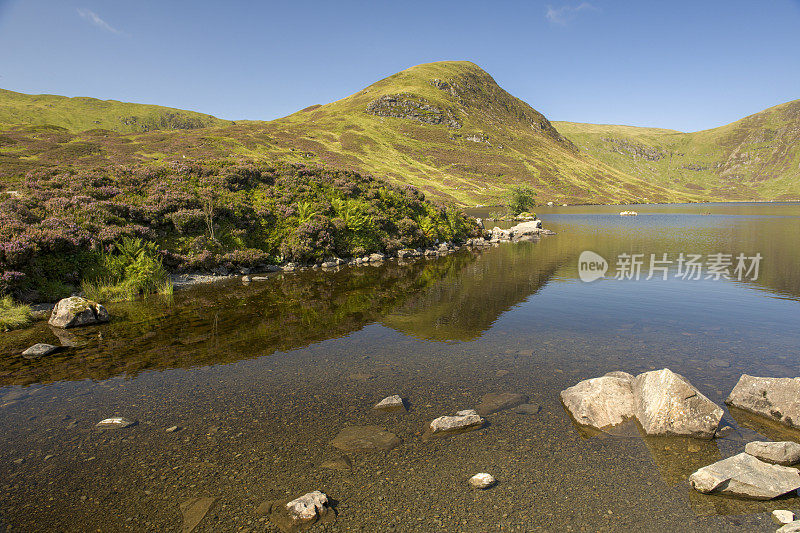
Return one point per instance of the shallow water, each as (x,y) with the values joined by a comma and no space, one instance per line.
(261,377)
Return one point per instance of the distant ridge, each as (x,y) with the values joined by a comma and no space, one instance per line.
(82,113)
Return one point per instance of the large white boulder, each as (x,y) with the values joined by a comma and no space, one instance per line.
(773,398)
(667,404)
(601,402)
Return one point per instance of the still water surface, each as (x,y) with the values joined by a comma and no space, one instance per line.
(261,377)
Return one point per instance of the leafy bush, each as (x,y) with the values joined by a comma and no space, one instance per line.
(521,198)
(133,267)
(13,316)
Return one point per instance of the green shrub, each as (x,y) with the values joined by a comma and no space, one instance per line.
(132,268)
(13,316)
(521,198)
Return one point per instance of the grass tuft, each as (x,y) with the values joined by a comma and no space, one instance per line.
(12,315)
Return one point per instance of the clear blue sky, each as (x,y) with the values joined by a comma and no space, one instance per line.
(683,65)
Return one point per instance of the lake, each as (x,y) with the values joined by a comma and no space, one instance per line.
(260,377)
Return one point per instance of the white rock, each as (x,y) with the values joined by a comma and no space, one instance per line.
(667,404)
(308,506)
(784,453)
(774,398)
(780,516)
(482,481)
(745,476)
(391,403)
(466,419)
(116,422)
(791,527)
(601,402)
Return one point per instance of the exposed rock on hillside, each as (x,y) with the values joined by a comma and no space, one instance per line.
(412,107)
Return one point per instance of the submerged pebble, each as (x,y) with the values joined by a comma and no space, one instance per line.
(482,481)
(116,422)
(391,403)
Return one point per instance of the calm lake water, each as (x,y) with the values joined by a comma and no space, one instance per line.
(261,377)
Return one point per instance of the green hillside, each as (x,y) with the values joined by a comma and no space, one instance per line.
(80,114)
(755,158)
(446,128)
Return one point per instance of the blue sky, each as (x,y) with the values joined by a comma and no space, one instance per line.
(683,65)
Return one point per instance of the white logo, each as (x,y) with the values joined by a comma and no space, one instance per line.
(591,266)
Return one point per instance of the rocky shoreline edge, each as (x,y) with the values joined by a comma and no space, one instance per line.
(527,231)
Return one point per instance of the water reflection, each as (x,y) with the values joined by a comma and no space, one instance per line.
(225,322)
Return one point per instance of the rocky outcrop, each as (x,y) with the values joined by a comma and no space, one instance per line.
(663,402)
(525,230)
(601,402)
(780,453)
(773,398)
(667,404)
(745,476)
(76,311)
(412,107)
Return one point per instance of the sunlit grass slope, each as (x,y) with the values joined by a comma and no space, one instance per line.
(755,158)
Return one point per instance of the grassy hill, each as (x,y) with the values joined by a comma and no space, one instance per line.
(447,128)
(755,158)
(80,114)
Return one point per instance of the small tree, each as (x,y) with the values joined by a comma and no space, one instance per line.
(521,198)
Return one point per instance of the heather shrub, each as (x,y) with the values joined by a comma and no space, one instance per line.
(69,227)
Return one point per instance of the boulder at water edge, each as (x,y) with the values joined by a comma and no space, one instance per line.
(773,398)
(667,404)
(76,311)
(601,402)
(745,476)
(663,402)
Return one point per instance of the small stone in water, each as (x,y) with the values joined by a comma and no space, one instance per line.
(342,464)
(365,438)
(391,403)
(527,409)
(39,350)
(463,420)
(116,422)
(780,516)
(482,481)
